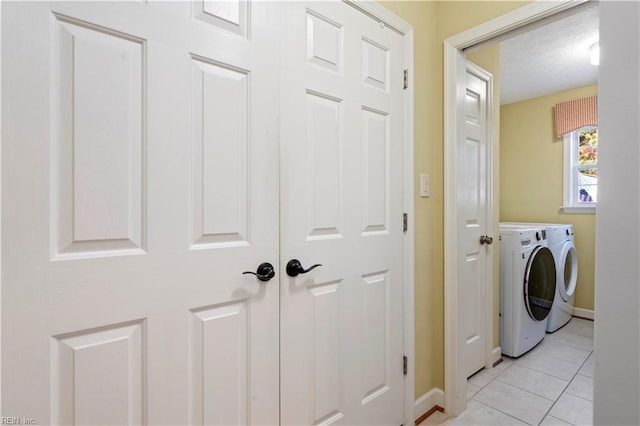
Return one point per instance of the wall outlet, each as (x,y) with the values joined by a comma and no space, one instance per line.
(424,185)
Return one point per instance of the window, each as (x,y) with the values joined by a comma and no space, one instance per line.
(581,170)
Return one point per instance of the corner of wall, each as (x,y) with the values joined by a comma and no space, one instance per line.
(429,400)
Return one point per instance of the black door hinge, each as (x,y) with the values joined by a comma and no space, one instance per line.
(404,365)
(406,79)
(405,222)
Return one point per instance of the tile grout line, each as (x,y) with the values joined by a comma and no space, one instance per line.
(578,396)
(514,360)
(528,391)
(570,346)
(540,372)
(489,382)
(565,389)
(547,374)
(509,384)
(494,408)
(502,412)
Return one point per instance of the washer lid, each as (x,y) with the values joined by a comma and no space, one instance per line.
(540,283)
(567,271)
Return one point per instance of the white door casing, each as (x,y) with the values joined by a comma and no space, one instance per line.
(134,196)
(342,193)
(134,300)
(454,65)
(474,191)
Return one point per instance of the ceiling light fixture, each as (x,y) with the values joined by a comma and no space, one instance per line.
(594,53)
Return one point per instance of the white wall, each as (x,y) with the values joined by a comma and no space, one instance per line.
(617,294)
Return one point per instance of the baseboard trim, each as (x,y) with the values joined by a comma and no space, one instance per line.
(584,313)
(429,403)
(426,415)
(496,355)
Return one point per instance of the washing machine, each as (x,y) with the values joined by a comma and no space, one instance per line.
(560,238)
(527,287)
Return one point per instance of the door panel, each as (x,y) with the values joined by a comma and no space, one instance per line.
(139,183)
(341,189)
(97,186)
(324,137)
(229,15)
(82,393)
(219,371)
(375,171)
(472,193)
(220,170)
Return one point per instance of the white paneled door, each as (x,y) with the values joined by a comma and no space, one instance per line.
(139,145)
(341,207)
(154,152)
(474,226)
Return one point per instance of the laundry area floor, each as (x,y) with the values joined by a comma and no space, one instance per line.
(550,385)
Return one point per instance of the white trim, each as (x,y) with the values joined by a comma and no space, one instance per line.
(409,240)
(380,14)
(456,403)
(513,20)
(584,313)
(427,401)
(453,405)
(569,181)
(579,209)
(496,354)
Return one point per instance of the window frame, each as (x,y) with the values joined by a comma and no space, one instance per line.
(570,170)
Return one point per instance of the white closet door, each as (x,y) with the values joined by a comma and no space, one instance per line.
(476,253)
(342,129)
(139,181)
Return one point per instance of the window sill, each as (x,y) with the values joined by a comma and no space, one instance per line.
(578,209)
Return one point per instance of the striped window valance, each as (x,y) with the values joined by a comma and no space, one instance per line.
(572,115)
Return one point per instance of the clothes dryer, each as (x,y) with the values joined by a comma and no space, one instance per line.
(527,288)
(560,238)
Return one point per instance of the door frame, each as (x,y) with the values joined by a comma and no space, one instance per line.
(384,16)
(454,47)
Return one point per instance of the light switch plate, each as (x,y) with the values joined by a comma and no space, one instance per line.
(424,185)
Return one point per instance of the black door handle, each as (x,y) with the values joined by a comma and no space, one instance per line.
(294,268)
(264,272)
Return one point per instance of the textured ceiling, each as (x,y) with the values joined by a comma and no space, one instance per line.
(549,59)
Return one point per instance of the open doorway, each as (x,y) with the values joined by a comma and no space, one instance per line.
(539,69)
(533,167)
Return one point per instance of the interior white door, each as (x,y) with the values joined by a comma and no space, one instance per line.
(474,223)
(139,181)
(342,130)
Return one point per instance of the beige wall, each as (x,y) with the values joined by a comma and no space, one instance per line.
(429,257)
(433,22)
(528,143)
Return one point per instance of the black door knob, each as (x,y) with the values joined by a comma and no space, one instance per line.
(264,272)
(295,268)
(485,239)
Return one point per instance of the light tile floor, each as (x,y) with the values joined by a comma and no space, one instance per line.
(550,385)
